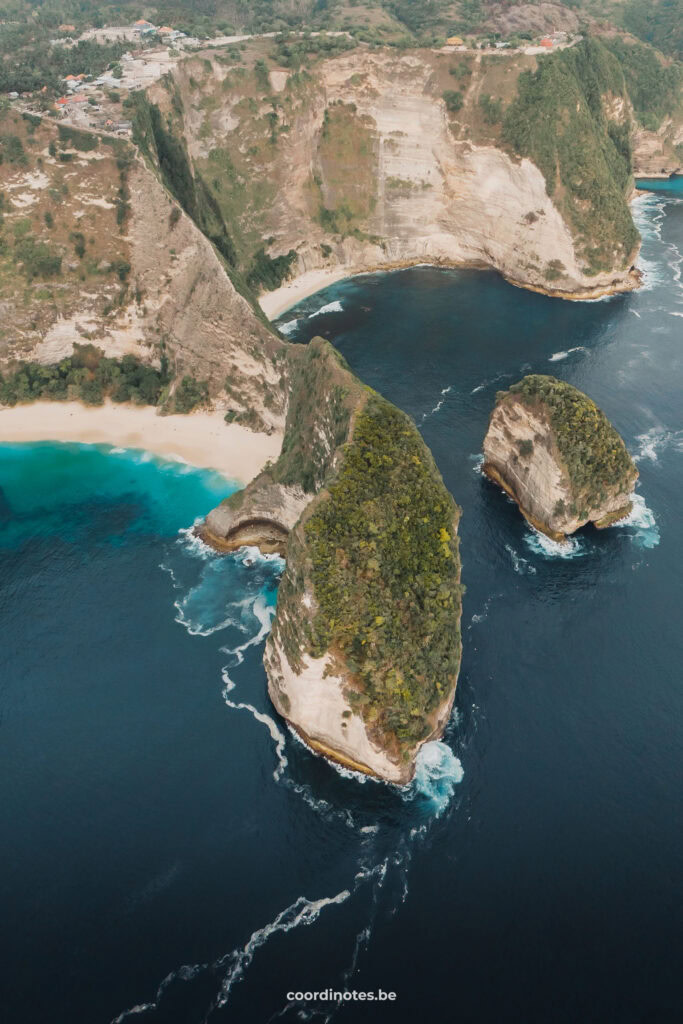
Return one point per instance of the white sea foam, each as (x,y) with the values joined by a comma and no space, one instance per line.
(642,521)
(657,440)
(276,734)
(264,613)
(572,547)
(519,564)
(487,383)
(301,912)
(331,307)
(437,772)
(556,357)
(289,327)
(478,463)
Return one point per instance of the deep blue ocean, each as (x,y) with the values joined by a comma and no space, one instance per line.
(171,854)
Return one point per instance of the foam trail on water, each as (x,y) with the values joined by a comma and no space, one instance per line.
(277,736)
(331,307)
(478,463)
(556,357)
(656,440)
(301,912)
(437,772)
(519,564)
(264,614)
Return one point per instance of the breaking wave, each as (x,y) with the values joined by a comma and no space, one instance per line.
(289,327)
(540,544)
(331,307)
(437,772)
(557,357)
(641,521)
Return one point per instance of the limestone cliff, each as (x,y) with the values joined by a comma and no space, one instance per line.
(553,451)
(364,652)
(367,160)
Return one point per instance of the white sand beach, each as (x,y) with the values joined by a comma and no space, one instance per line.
(201,438)
(276,302)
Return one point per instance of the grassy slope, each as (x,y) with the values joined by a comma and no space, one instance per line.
(64,235)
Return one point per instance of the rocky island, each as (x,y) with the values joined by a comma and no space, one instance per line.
(557,455)
(364,653)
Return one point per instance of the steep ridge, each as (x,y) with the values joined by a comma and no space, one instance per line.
(364,652)
(95,251)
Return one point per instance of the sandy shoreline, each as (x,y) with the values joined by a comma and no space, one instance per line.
(202,439)
(281,299)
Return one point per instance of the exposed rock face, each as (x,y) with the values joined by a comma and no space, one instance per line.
(313,701)
(263,514)
(417,183)
(364,652)
(552,450)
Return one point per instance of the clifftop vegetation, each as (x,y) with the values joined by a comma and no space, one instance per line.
(593,452)
(558,120)
(386,575)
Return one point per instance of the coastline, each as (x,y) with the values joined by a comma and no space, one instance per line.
(277,302)
(202,439)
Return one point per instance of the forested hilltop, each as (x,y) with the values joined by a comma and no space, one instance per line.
(422,22)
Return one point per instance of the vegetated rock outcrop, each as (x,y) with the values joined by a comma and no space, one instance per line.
(364,652)
(558,456)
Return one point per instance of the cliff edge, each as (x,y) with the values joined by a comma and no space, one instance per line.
(558,456)
(364,653)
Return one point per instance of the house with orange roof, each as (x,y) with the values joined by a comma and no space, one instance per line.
(548,43)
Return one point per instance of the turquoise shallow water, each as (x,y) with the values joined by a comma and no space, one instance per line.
(172,854)
(668,186)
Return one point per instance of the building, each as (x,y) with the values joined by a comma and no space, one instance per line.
(141,25)
(548,43)
(67,28)
(455,41)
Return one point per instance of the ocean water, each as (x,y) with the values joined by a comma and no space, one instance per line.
(669,186)
(171,853)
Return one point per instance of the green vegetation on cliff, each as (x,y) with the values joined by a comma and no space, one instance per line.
(386,575)
(593,452)
(559,120)
(322,393)
(653,87)
(87,375)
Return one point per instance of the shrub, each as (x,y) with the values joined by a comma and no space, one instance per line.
(190,393)
(453,99)
(37,258)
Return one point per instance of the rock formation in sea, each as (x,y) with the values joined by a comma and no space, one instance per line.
(558,456)
(364,652)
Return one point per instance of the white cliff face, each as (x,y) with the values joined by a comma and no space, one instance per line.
(312,700)
(520,454)
(438,197)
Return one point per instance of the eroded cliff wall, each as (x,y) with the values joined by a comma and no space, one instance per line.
(366,161)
